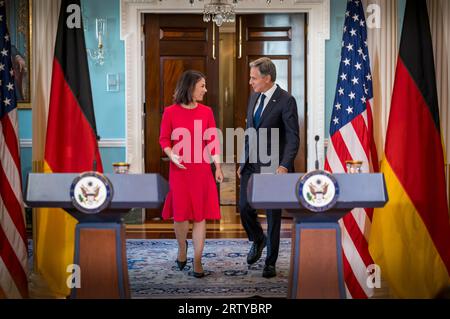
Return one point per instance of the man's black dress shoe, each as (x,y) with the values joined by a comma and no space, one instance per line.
(182,264)
(255,251)
(269,271)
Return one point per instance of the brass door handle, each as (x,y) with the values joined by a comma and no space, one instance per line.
(214,41)
(240,38)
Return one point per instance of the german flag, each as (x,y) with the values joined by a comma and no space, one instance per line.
(410,237)
(71,143)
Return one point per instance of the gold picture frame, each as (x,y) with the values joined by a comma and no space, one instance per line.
(20,21)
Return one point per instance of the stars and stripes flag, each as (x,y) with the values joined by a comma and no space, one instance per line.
(13,252)
(351,138)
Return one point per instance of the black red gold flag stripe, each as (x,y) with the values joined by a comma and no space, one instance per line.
(410,237)
(71,143)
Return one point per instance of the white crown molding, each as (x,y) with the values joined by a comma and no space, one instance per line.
(131,32)
(104,143)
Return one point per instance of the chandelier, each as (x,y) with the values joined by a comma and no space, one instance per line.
(220,11)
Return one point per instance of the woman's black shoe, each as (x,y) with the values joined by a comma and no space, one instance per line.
(182,264)
(199,274)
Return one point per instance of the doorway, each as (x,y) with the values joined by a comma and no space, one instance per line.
(177,42)
(227,80)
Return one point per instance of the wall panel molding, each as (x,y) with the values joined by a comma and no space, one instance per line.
(104,143)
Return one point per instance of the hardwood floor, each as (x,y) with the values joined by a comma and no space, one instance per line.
(228,227)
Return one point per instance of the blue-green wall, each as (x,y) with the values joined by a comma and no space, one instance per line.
(333,57)
(401,5)
(25,162)
(111,155)
(25,132)
(25,128)
(109,106)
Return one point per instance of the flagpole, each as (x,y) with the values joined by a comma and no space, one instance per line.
(37,168)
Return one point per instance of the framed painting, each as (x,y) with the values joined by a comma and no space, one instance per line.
(19,15)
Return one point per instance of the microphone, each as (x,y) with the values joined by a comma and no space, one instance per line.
(94,162)
(317,138)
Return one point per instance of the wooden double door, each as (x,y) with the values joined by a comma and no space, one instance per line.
(175,43)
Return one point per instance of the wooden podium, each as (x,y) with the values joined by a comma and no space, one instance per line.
(316,269)
(100,250)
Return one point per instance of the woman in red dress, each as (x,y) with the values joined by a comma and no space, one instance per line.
(189,138)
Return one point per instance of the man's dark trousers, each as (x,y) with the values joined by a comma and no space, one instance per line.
(250,219)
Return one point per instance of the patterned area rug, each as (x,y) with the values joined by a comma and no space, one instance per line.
(153,272)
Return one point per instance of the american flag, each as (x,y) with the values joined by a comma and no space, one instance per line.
(13,248)
(351,138)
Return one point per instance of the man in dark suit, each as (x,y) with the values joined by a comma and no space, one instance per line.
(270,107)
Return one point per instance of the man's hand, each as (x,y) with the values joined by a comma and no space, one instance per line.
(239,172)
(282,170)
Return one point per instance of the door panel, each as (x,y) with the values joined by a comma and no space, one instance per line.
(172,68)
(281,37)
(174,44)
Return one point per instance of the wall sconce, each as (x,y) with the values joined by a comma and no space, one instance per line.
(98,55)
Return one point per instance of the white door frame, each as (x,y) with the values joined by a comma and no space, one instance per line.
(131,21)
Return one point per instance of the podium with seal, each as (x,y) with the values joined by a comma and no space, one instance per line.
(317,201)
(99,203)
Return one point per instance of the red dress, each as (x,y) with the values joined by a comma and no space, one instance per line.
(192,192)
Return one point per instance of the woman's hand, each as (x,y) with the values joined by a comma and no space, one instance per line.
(282,170)
(219,175)
(176,159)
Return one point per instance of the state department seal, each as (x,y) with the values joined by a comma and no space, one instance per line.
(91,192)
(318,191)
